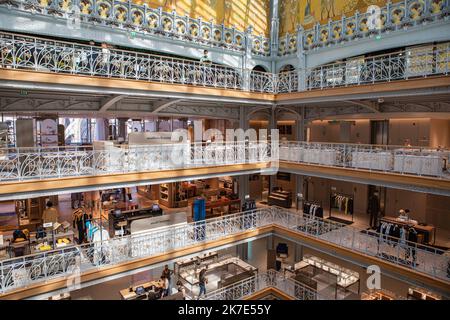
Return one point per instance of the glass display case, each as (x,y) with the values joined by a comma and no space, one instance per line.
(345,277)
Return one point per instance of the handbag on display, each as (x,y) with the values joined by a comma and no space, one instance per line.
(40,233)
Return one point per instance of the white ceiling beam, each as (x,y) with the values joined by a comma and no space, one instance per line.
(161,105)
(372,106)
(109,102)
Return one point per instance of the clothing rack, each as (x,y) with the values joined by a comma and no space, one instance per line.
(318,212)
(350,203)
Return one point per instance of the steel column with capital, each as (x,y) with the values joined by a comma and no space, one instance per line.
(272,125)
(244,185)
(299,179)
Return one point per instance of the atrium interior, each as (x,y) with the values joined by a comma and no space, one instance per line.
(224,150)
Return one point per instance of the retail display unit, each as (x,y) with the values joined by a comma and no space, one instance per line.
(426,234)
(313,267)
(422,294)
(379,295)
(343,204)
(222,271)
(280,198)
(141,291)
(313,208)
(120,220)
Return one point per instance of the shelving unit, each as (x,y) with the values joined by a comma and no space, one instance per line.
(166,194)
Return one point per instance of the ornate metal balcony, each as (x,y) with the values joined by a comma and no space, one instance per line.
(394,16)
(45,55)
(127,15)
(19,164)
(261,281)
(420,161)
(71,261)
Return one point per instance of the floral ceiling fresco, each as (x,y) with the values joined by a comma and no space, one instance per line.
(238,13)
(309,12)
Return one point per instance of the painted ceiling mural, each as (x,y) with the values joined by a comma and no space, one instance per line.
(309,12)
(240,13)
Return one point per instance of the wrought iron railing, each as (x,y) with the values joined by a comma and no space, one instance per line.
(68,262)
(411,63)
(420,161)
(45,55)
(133,17)
(140,18)
(19,164)
(270,279)
(394,16)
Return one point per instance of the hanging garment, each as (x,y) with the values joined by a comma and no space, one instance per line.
(412,235)
(402,235)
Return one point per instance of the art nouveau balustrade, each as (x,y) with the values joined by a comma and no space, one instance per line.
(19,164)
(71,261)
(395,159)
(44,55)
(402,65)
(271,279)
(133,17)
(394,16)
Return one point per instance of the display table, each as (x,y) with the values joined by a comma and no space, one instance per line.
(191,277)
(192,261)
(378,295)
(422,294)
(126,294)
(344,277)
(429,231)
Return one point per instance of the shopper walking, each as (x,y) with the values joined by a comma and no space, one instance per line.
(166,289)
(202,281)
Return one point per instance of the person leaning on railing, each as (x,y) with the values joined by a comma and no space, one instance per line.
(205,60)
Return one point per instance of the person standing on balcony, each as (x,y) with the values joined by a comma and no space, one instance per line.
(205,58)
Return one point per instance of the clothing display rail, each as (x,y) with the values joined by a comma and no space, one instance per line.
(313,208)
(36,268)
(341,202)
